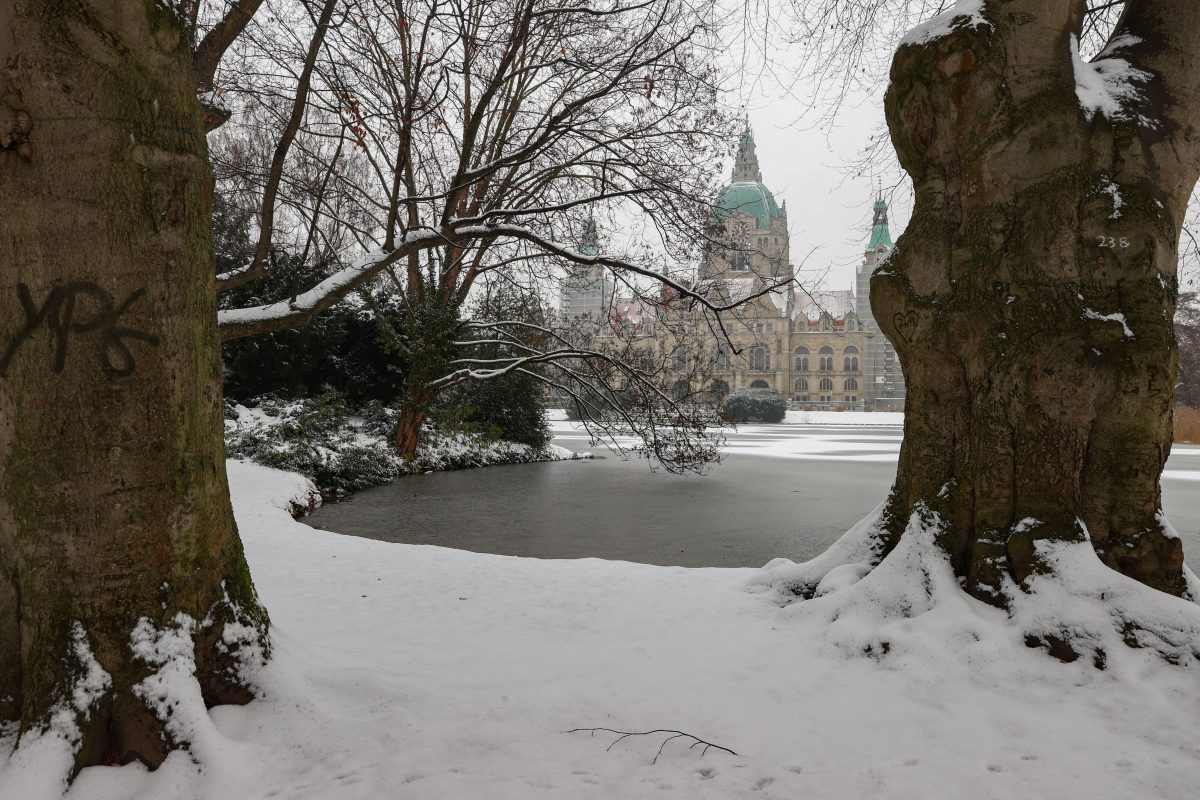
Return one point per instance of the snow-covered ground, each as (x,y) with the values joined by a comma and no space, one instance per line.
(427,673)
(807,417)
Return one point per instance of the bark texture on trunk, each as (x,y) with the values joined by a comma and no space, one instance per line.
(408,431)
(1031,297)
(114,506)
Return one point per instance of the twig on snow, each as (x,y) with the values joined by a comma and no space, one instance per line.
(705,746)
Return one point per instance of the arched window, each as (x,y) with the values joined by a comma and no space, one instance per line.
(760,385)
(680,391)
(801,384)
(851,385)
(721,362)
(850,360)
(801,354)
(717,391)
(825,359)
(739,260)
(826,385)
(760,358)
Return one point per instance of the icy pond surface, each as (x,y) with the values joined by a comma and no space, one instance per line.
(780,490)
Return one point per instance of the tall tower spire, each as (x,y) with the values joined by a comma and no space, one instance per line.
(745,168)
(880,235)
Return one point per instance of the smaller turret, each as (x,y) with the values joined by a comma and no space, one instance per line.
(589,243)
(880,235)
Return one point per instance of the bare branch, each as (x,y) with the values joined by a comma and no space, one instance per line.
(672,734)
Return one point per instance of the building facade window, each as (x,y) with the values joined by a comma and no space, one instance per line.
(801,354)
(825,359)
(721,362)
(851,385)
(826,385)
(760,358)
(801,384)
(850,358)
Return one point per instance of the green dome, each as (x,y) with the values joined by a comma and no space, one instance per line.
(749,198)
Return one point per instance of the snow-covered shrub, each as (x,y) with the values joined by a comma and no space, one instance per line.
(378,419)
(344,452)
(754,405)
(315,438)
(444,451)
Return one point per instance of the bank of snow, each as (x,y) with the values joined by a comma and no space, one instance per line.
(420,672)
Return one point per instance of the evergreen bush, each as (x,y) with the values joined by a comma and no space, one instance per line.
(352,348)
(754,405)
(508,408)
(315,438)
(344,450)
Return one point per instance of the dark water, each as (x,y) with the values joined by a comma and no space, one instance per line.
(754,506)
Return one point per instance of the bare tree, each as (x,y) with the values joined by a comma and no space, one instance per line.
(436,144)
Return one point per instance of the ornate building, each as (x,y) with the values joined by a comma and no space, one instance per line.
(816,348)
(807,346)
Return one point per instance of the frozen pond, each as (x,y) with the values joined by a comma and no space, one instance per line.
(781,490)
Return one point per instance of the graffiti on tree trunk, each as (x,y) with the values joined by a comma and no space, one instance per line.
(60,313)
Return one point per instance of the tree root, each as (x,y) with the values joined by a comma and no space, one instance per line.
(846,561)
(912,604)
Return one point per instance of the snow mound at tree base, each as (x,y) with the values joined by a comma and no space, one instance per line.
(912,608)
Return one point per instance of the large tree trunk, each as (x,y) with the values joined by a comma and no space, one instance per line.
(1035,413)
(115,523)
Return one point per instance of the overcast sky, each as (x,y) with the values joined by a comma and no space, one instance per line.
(829,207)
(810,165)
